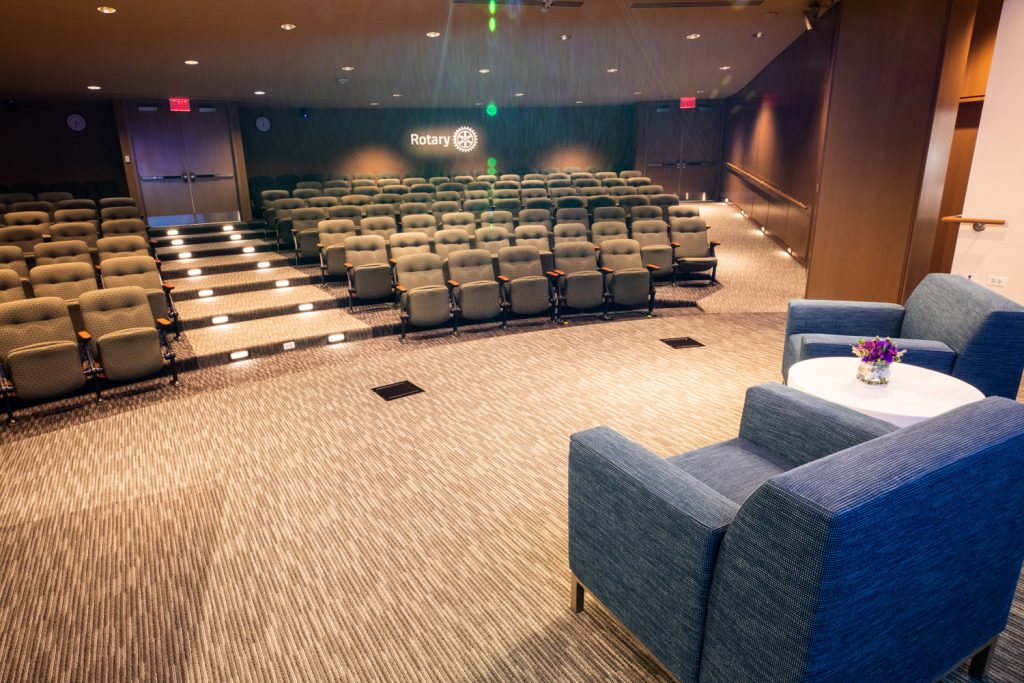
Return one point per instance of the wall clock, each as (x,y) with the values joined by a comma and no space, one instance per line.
(75,122)
(262,124)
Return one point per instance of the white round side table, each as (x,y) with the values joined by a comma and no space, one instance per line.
(913,394)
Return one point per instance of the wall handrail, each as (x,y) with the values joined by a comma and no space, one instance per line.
(765,184)
(978,224)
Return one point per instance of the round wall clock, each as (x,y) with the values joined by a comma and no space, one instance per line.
(75,122)
(262,124)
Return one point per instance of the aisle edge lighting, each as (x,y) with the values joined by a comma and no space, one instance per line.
(239,355)
(219,319)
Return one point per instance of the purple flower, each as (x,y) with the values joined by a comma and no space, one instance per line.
(878,351)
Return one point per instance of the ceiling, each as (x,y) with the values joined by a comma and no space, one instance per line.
(59,47)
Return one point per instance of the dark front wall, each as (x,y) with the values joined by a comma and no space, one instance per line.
(773,130)
(373,140)
(37,146)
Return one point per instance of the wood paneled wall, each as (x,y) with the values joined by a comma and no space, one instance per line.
(773,130)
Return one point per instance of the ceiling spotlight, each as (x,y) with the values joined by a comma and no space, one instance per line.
(724,68)
(93,87)
(374,104)
(565,36)
(397,94)
(579,101)
(259,92)
(520,94)
(638,92)
(612,70)
(103,9)
(192,62)
(288,27)
(692,36)
(700,92)
(433,34)
(478,104)
(485,71)
(342,81)
(348,68)
(759,34)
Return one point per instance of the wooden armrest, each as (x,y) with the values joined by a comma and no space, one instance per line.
(606,270)
(553,274)
(453,283)
(84,336)
(319,245)
(597,247)
(674,245)
(715,244)
(163,322)
(503,278)
(168,287)
(651,266)
(402,288)
(392,261)
(349,265)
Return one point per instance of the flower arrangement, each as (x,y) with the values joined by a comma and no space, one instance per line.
(876,358)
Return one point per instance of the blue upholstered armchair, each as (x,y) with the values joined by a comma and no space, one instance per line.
(949,324)
(819,545)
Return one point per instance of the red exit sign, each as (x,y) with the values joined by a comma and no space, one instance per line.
(180,104)
(687,102)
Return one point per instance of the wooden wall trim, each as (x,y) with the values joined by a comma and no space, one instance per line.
(128,152)
(764,184)
(238,154)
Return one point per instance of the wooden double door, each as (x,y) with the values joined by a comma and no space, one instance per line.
(185,163)
(680,148)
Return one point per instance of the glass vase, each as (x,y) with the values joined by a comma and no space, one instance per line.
(874,373)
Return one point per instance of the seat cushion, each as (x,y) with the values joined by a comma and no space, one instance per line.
(923,353)
(734,468)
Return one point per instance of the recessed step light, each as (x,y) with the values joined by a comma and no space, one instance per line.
(177,243)
(227,228)
(236,236)
(282,283)
(692,36)
(248,250)
(172,233)
(192,272)
(433,34)
(203,293)
(305,307)
(185,255)
(288,346)
(239,355)
(263,264)
(335,338)
(219,319)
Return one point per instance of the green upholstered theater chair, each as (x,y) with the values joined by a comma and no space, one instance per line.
(630,281)
(40,357)
(64,251)
(579,283)
(419,223)
(424,298)
(451,240)
(475,290)
(332,234)
(141,271)
(526,287)
(655,246)
(66,281)
(694,253)
(367,268)
(116,247)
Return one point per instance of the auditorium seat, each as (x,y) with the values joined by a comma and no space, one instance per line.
(334,184)
(364,180)
(12,288)
(369,274)
(570,232)
(480,185)
(525,286)
(597,202)
(24,237)
(123,335)
(538,236)
(609,213)
(510,177)
(588,192)
(650,190)
(528,194)
(303,226)
(448,197)
(423,295)
(475,291)
(626,175)
(356,200)
(463,178)
(439,179)
(76,216)
(457,188)
(439,209)
(644,213)
(308,185)
(450,240)
(478,194)
(381,226)
(638,181)
(413,180)
(571,202)
(116,213)
(501,219)
(370,191)
(586,182)
(12,257)
(505,194)
(631,201)
(15,197)
(78,230)
(111,202)
(404,243)
(535,216)
(376,209)
(322,202)
(572,215)
(66,281)
(664,202)
(655,246)
(117,247)
(531,184)
(419,197)
(389,198)
(464,220)
(300,193)
(608,230)
(506,185)
(605,175)
(39,354)
(578,283)
(62,251)
(629,280)
(385,181)
(332,234)
(124,226)
(624,191)
(577,174)
(412,208)
(421,223)
(336,192)
(684,211)
(28,219)
(512,205)
(267,198)
(557,187)
(346,211)
(395,189)
(539,203)
(613,182)
(140,271)
(541,177)
(426,188)
(493,238)
(287,181)
(44,207)
(476,207)
(76,204)
(487,178)
(695,253)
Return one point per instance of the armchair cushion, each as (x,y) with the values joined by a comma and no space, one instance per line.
(733,468)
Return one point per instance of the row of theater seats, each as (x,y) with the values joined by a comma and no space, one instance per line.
(43,357)
(65,210)
(26,192)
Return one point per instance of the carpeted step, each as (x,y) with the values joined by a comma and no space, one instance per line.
(215,249)
(219,236)
(265,336)
(252,305)
(173,269)
(187,288)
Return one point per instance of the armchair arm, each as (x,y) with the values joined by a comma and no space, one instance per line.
(857,318)
(643,537)
(800,428)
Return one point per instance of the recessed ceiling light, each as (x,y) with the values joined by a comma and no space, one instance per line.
(94,87)
(638,92)
(692,36)
(700,92)
(612,70)
(348,68)
(103,9)
(520,94)
(433,34)
(259,92)
(397,94)
(579,101)
(565,36)
(192,62)
(288,27)
(485,71)
(374,104)
(478,104)
(759,34)
(724,68)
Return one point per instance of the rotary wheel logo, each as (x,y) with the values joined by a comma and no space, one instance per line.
(465,139)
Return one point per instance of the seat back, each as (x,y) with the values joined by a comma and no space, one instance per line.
(684,211)
(124,245)
(608,230)
(283,207)
(574,257)
(476,206)
(613,182)
(599,201)
(501,219)
(33,321)
(322,202)
(110,202)
(984,328)
(25,237)
(423,224)
(419,270)
(559,184)
(113,213)
(471,265)
(413,180)
(76,204)
(42,207)
(626,175)
(644,213)
(691,235)
(492,238)
(308,185)
(517,262)
(27,219)
(364,250)
(509,177)
(66,281)
(621,254)
(651,232)
(866,550)
(356,200)
(268,197)
(536,217)
(404,243)
(309,193)
(15,197)
(384,226)
(336,231)
(460,219)
(439,179)
(570,202)
(124,226)
(622,191)
(138,271)
(650,190)
(334,184)
(413,209)
(75,216)
(610,213)
(570,232)
(346,211)
(12,257)
(11,288)
(544,202)
(511,204)
(307,218)
(572,215)
(376,209)
(110,310)
(533,235)
(64,251)
(439,209)
(638,181)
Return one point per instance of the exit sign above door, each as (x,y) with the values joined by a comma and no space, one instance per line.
(180,104)
(687,102)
